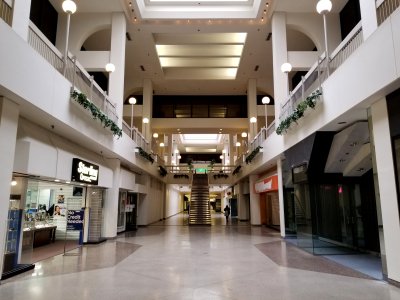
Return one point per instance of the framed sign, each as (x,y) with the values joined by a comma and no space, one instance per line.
(85,172)
(75,219)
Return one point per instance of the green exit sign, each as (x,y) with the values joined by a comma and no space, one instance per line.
(201,170)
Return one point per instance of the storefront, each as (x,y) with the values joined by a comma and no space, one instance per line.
(269,201)
(57,198)
(48,217)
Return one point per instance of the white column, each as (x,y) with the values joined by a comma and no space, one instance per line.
(252,106)
(387,187)
(20,19)
(232,150)
(147,106)
(369,19)
(280,196)
(110,209)
(255,217)
(9,112)
(242,203)
(279,53)
(117,57)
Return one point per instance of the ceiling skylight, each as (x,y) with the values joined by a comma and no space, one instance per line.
(200,56)
(200,138)
(207,9)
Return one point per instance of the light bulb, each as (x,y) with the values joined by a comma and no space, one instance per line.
(286,68)
(265,100)
(110,67)
(324,6)
(69,6)
(132,100)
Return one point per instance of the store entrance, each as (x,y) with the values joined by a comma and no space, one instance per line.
(131,211)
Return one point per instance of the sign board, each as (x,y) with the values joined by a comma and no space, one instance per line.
(85,172)
(75,219)
(266,185)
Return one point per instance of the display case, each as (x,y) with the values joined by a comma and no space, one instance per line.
(12,239)
(38,233)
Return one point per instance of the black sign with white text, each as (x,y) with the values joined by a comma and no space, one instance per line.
(85,172)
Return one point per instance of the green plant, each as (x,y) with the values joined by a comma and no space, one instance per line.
(212,163)
(221,176)
(298,113)
(190,165)
(163,172)
(237,170)
(96,113)
(181,176)
(145,155)
(253,154)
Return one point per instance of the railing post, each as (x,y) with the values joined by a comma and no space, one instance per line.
(319,73)
(74,72)
(302,87)
(91,88)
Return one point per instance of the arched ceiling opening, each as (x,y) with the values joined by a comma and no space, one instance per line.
(298,41)
(98,41)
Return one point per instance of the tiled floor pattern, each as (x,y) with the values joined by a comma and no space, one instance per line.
(181,262)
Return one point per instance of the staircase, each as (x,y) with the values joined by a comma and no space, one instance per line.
(199,201)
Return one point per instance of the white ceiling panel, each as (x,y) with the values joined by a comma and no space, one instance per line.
(229,62)
(199,50)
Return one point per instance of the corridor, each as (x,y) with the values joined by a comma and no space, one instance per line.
(170,261)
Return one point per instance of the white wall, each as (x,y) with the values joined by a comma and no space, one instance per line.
(150,204)
(128,180)
(46,154)
(173,201)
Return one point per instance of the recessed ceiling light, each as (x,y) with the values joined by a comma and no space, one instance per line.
(56,180)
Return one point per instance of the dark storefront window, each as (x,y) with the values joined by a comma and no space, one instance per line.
(199,106)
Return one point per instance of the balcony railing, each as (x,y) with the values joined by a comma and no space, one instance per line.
(75,73)
(259,139)
(214,170)
(6,11)
(139,139)
(384,8)
(311,81)
(318,72)
(353,40)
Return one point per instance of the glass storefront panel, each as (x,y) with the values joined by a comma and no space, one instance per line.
(45,231)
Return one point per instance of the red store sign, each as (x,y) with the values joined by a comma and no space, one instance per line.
(268,184)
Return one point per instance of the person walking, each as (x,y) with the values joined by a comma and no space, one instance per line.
(227,212)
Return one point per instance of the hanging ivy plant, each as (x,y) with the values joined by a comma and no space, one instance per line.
(97,114)
(163,172)
(145,155)
(181,176)
(298,113)
(221,176)
(237,170)
(253,154)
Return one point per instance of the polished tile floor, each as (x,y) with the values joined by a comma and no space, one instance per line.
(169,260)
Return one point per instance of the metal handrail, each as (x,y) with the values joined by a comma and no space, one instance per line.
(214,170)
(258,139)
(317,73)
(384,8)
(6,11)
(139,139)
(76,74)
(352,41)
